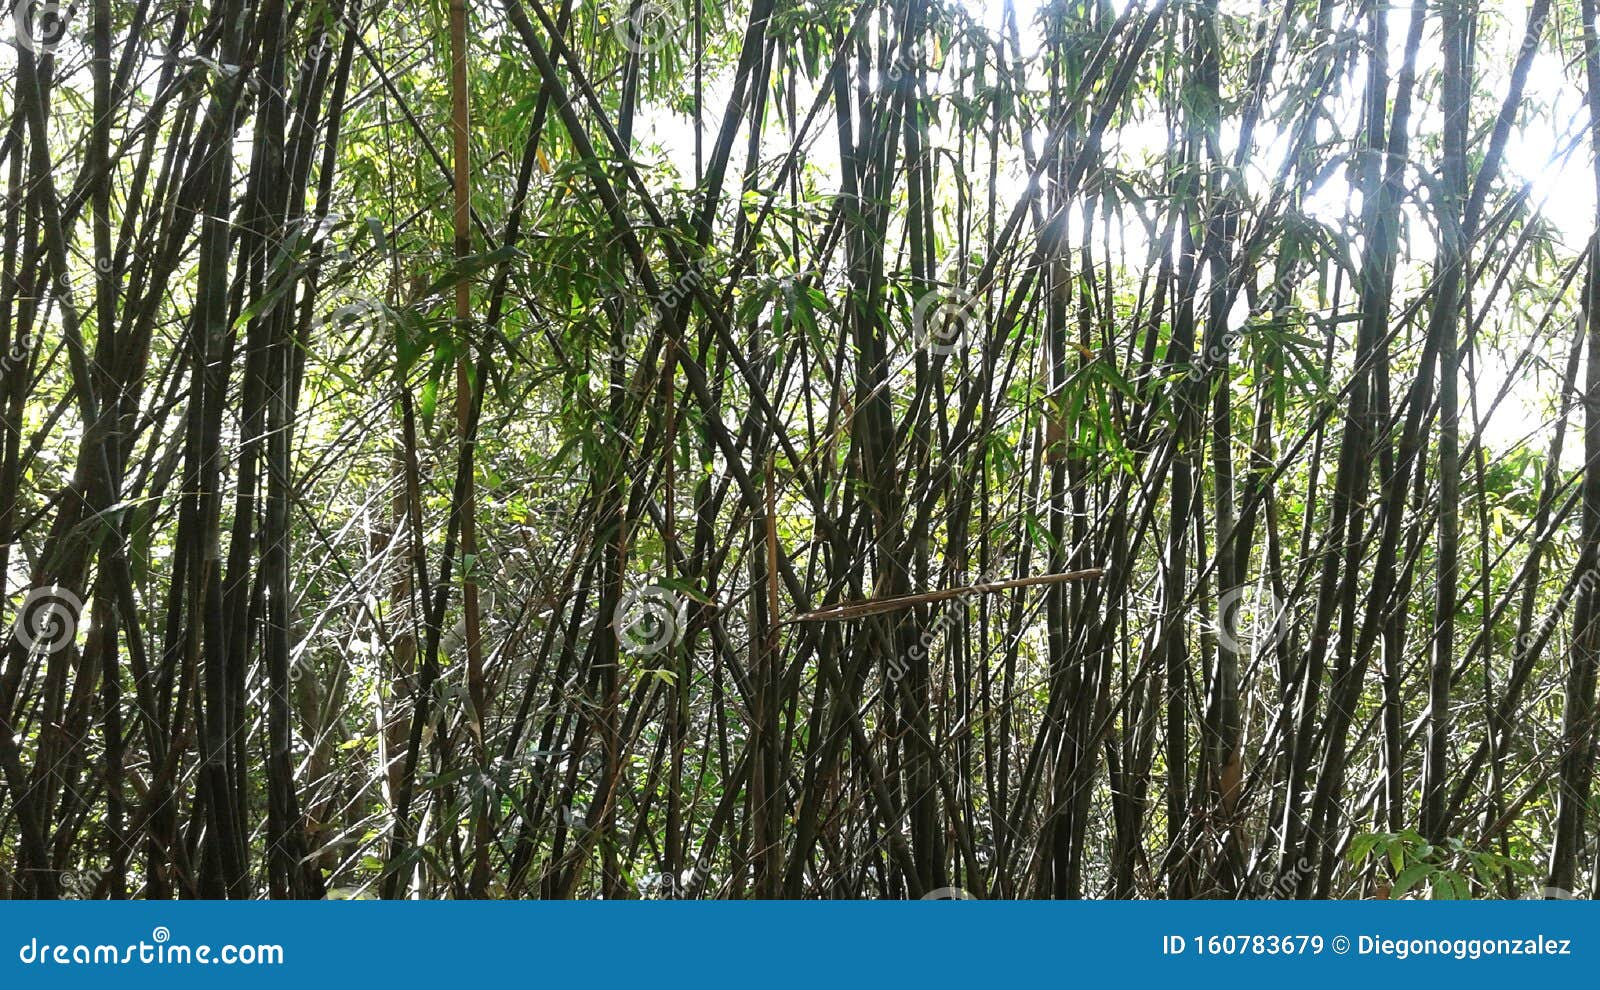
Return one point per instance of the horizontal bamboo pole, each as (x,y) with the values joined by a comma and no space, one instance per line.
(873,606)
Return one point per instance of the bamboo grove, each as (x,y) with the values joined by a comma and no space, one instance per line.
(799,449)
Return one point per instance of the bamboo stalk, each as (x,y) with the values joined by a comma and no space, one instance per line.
(875,606)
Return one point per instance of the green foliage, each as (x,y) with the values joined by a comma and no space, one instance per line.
(1447,870)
